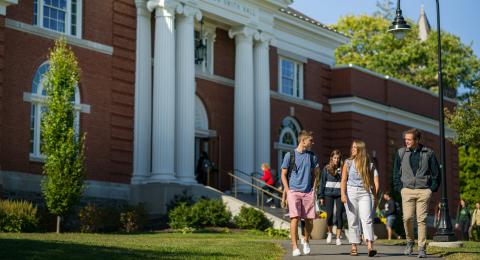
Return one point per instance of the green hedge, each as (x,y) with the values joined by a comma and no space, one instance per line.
(17,216)
(251,218)
(204,213)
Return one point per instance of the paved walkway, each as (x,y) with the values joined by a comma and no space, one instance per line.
(321,250)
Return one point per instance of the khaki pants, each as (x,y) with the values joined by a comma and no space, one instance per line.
(416,201)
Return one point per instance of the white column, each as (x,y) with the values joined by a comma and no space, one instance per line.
(163,135)
(262,100)
(244,104)
(143,95)
(185,96)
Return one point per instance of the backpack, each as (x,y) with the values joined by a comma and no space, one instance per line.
(292,165)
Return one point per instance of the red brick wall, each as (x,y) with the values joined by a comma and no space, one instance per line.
(218,101)
(224,55)
(122,90)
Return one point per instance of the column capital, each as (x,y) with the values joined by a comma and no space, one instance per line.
(171,6)
(266,38)
(190,11)
(245,32)
(142,8)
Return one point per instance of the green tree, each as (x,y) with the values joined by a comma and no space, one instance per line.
(465,120)
(64,149)
(411,60)
(469,174)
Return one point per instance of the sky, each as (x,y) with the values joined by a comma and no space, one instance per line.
(459,17)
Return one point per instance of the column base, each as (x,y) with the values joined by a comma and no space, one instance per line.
(162,177)
(444,238)
(139,179)
(186,180)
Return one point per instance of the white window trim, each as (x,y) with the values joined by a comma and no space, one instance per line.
(37,100)
(68,18)
(297,80)
(282,147)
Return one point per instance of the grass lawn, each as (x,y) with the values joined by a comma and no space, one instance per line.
(469,251)
(241,245)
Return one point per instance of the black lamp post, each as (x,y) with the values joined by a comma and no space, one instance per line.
(398,28)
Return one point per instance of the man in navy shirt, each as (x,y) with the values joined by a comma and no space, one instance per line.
(300,188)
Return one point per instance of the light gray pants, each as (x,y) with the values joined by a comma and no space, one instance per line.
(359,209)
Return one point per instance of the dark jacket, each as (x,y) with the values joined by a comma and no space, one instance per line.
(390,207)
(416,169)
(329,185)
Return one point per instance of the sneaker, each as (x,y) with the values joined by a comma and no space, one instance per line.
(269,200)
(296,252)
(339,242)
(329,238)
(408,249)
(306,249)
(421,252)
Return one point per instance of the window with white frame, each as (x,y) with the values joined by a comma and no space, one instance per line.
(38,98)
(64,16)
(288,138)
(290,77)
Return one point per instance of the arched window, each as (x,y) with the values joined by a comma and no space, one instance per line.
(38,98)
(290,129)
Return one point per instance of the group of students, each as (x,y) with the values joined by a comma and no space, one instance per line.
(352,185)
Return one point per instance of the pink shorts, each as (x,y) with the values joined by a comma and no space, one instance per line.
(301,204)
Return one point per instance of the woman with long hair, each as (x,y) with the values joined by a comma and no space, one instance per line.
(329,194)
(359,188)
(463,219)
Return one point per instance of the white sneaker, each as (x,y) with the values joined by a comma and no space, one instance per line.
(296,252)
(306,249)
(339,242)
(329,238)
(302,240)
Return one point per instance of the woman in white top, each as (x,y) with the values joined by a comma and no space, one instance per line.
(359,188)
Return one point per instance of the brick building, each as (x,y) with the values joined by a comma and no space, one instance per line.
(150,105)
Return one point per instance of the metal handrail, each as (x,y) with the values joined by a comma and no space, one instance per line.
(258,188)
(257,179)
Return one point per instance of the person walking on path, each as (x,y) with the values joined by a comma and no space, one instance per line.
(269,182)
(475,224)
(415,176)
(463,220)
(359,190)
(299,177)
(329,194)
(390,213)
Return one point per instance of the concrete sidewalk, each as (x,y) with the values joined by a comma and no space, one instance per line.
(321,250)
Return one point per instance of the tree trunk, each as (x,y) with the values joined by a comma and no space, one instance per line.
(58,224)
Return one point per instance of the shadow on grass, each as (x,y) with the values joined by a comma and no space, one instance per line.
(34,249)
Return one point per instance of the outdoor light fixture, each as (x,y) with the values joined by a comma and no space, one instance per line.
(399,28)
(200,48)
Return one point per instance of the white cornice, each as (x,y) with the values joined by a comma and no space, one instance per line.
(404,83)
(4,4)
(38,31)
(297,101)
(386,113)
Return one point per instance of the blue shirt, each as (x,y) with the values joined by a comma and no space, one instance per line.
(354,178)
(301,176)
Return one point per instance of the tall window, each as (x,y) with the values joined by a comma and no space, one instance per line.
(287,142)
(62,16)
(290,77)
(38,99)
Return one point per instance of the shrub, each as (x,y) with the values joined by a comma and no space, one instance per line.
(177,199)
(251,218)
(204,213)
(133,218)
(94,218)
(273,232)
(211,213)
(17,216)
(181,217)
